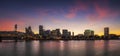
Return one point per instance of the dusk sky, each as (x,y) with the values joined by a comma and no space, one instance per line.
(74,15)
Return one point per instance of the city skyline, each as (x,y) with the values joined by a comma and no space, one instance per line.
(74,15)
(42,30)
(56,34)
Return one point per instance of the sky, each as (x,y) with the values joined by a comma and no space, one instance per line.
(74,15)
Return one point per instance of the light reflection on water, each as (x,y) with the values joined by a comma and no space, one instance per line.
(60,48)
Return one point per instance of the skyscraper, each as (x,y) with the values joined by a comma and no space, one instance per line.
(47,33)
(88,33)
(69,34)
(29,30)
(106,32)
(41,30)
(26,30)
(92,33)
(58,32)
(65,33)
(72,33)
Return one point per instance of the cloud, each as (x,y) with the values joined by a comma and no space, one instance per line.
(102,12)
(95,10)
(78,6)
(71,15)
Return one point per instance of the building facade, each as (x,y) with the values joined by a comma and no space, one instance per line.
(106,32)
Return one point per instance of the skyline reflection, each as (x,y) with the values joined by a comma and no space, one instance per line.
(60,48)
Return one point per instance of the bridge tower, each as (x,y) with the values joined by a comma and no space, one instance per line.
(0,39)
(15,27)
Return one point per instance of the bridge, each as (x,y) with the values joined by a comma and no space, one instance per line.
(11,35)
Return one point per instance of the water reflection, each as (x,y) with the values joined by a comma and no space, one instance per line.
(53,48)
(106,48)
(28,48)
(15,49)
(35,47)
(60,48)
(90,51)
(32,48)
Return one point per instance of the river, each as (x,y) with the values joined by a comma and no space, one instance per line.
(60,48)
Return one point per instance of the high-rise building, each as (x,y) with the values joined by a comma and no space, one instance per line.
(88,33)
(41,30)
(92,33)
(29,30)
(58,32)
(106,32)
(69,34)
(72,33)
(26,30)
(53,34)
(65,33)
(47,33)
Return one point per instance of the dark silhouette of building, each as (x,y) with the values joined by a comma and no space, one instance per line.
(47,34)
(26,30)
(106,32)
(69,34)
(58,32)
(41,30)
(92,33)
(72,33)
(53,34)
(88,33)
(65,34)
(29,30)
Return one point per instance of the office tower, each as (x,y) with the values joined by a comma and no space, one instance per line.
(65,33)
(72,33)
(88,33)
(29,30)
(15,27)
(41,30)
(58,32)
(47,33)
(92,33)
(106,32)
(26,30)
(69,34)
(53,34)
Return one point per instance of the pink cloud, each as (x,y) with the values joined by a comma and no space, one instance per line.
(79,6)
(71,15)
(102,12)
